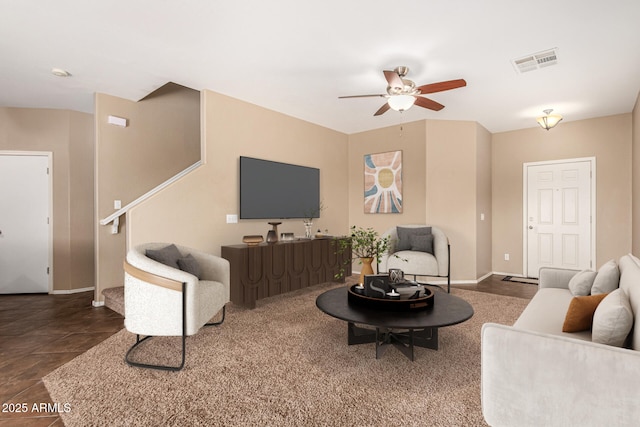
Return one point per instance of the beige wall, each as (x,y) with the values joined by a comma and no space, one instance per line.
(484,215)
(410,138)
(452,185)
(69,136)
(193,210)
(608,139)
(636,177)
(162,139)
(446,181)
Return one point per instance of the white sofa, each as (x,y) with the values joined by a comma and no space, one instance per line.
(533,374)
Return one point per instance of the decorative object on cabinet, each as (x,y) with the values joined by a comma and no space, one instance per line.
(253,240)
(272,235)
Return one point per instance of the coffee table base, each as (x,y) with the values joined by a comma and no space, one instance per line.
(403,341)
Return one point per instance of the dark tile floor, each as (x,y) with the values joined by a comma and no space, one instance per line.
(40,332)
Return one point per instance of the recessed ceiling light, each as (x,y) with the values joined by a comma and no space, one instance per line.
(60,72)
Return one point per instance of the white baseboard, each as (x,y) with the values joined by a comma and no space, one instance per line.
(97,303)
(72,291)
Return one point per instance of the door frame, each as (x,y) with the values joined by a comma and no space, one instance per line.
(49,156)
(525,206)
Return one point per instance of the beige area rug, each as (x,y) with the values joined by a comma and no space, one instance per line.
(284,363)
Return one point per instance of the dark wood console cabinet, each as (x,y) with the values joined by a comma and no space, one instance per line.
(270,269)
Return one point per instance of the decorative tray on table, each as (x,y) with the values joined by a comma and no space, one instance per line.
(378,293)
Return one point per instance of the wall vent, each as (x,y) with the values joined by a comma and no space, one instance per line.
(536,61)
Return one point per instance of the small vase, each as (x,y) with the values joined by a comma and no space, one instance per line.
(307,229)
(272,235)
(367,268)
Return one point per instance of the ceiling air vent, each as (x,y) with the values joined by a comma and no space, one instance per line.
(536,61)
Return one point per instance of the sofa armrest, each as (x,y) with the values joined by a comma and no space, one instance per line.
(536,379)
(549,277)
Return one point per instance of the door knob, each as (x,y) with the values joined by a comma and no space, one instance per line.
(531,227)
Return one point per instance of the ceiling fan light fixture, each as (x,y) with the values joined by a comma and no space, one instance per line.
(549,120)
(401,102)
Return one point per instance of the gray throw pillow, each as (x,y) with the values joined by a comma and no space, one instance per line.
(190,265)
(580,284)
(404,236)
(422,243)
(607,279)
(168,255)
(612,320)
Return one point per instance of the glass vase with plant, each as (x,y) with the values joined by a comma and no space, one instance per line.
(309,215)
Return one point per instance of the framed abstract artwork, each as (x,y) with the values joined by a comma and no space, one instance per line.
(383,182)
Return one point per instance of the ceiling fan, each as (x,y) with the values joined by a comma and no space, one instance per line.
(402,93)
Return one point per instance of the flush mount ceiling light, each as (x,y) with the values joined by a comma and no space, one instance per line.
(549,120)
(60,72)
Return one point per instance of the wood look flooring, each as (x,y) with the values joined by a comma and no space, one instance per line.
(40,332)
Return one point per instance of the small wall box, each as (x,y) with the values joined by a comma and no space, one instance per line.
(117,121)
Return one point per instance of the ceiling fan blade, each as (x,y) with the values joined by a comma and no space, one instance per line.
(428,103)
(393,79)
(442,86)
(385,107)
(362,96)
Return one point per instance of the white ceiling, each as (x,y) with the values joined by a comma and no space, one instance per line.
(297,56)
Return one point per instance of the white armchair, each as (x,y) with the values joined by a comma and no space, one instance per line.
(417,255)
(174,297)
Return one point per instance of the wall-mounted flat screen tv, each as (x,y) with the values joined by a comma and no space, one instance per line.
(274,190)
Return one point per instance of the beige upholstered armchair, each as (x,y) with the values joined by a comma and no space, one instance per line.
(172,290)
(418,250)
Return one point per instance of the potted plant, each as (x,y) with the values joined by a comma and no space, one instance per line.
(366,246)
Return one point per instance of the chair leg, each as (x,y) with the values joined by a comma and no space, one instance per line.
(224,310)
(139,341)
(448,268)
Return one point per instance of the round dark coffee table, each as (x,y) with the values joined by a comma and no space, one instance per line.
(404,330)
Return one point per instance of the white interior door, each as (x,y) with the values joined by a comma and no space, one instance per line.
(559,215)
(24,223)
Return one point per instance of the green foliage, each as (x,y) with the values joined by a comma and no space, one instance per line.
(365,243)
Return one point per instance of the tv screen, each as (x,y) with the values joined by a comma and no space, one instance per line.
(274,190)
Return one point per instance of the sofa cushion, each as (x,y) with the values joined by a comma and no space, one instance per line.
(422,243)
(190,265)
(579,316)
(630,285)
(546,311)
(612,320)
(414,262)
(168,255)
(607,279)
(404,236)
(581,283)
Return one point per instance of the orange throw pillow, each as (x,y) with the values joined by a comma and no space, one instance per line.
(580,314)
